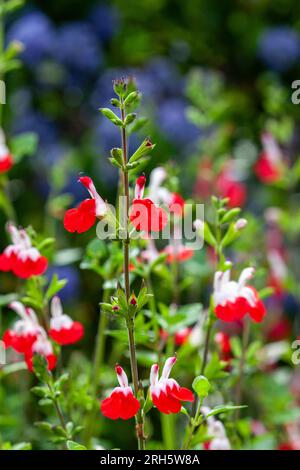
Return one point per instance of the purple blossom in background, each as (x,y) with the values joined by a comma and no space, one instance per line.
(75,188)
(37,34)
(78,48)
(71,291)
(174,124)
(164,73)
(105,20)
(37,122)
(279,48)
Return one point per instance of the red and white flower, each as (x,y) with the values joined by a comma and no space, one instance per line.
(216,431)
(160,194)
(24,332)
(144,214)
(83,217)
(233,300)
(63,330)
(223,342)
(21,257)
(6,159)
(269,166)
(121,403)
(166,393)
(182,336)
(43,347)
(178,252)
(229,185)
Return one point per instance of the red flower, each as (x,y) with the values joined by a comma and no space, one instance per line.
(6,159)
(85,215)
(182,336)
(24,332)
(231,188)
(178,253)
(144,214)
(176,204)
(269,166)
(43,347)
(121,403)
(63,330)
(166,393)
(223,341)
(233,300)
(20,257)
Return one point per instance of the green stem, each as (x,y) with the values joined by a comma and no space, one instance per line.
(130,321)
(194,423)
(152,305)
(1,48)
(239,387)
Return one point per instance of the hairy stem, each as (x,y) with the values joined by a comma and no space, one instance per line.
(130,321)
(239,387)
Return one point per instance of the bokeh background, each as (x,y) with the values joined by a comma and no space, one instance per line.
(214,76)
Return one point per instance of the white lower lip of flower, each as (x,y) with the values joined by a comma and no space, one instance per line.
(125,390)
(61,322)
(29,253)
(42,346)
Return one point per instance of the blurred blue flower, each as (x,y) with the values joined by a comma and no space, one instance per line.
(173,123)
(36,122)
(105,20)
(279,48)
(71,290)
(36,32)
(78,48)
(74,187)
(165,76)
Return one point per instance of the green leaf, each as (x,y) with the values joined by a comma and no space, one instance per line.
(117,154)
(230,215)
(109,114)
(129,119)
(72,445)
(59,383)
(143,150)
(23,145)
(40,367)
(55,286)
(215,368)
(11,6)
(224,409)
(7,299)
(131,98)
(201,386)
(44,426)
(40,391)
(22,446)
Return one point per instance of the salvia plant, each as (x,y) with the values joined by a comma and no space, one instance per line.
(126,263)
(163,365)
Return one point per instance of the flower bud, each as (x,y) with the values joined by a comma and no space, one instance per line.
(240,224)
